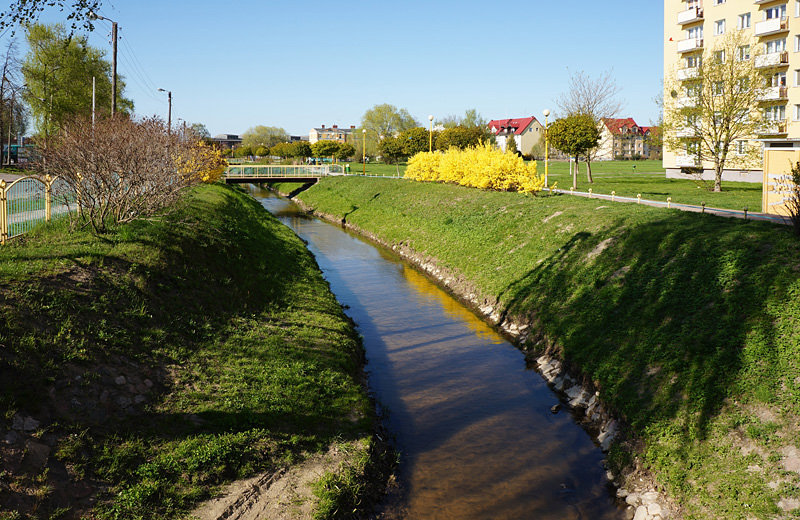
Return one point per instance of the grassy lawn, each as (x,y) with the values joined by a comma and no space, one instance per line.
(167,358)
(687,324)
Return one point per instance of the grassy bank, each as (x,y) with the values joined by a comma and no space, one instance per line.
(141,370)
(689,325)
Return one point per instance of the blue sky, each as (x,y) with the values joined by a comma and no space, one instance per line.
(233,65)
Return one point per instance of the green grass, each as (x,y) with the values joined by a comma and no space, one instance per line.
(218,304)
(688,324)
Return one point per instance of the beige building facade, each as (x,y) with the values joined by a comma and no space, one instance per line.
(773,26)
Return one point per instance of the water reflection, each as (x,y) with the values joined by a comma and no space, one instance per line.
(474,426)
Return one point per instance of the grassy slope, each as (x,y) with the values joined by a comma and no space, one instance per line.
(688,324)
(221,306)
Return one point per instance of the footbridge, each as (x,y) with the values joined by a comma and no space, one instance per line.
(258,173)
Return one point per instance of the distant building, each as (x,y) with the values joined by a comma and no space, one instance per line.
(622,139)
(226,141)
(333,133)
(526,131)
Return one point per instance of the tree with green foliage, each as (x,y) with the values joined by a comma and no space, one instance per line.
(325,148)
(392,149)
(261,151)
(301,149)
(345,151)
(511,144)
(242,151)
(459,137)
(574,135)
(386,120)
(417,139)
(199,130)
(58,71)
(266,136)
(282,150)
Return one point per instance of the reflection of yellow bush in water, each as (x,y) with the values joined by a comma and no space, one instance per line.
(484,167)
(202,160)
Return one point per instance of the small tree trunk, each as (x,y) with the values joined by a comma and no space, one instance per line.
(718,166)
(589,171)
(575,174)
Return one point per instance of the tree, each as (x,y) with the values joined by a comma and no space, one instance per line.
(261,151)
(392,150)
(325,148)
(595,97)
(460,137)
(574,135)
(26,12)
(199,130)
(417,139)
(345,151)
(715,108)
(386,120)
(282,150)
(301,149)
(58,71)
(266,136)
(511,144)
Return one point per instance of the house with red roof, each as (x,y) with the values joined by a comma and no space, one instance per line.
(624,139)
(526,131)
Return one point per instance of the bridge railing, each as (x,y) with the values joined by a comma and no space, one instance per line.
(27,201)
(283,170)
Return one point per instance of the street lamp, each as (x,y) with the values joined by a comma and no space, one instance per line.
(546,113)
(95,16)
(430,135)
(364,150)
(169,112)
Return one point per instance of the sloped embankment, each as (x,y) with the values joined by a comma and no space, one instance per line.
(142,370)
(687,326)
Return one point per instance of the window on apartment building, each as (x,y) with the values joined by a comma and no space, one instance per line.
(775,113)
(779,11)
(777,80)
(719,2)
(797,112)
(741,147)
(718,88)
(778,45)
(694,61)
(692,148)
(797,43)
(743,84)
(744,21)
(797,8)
(744,52)
(719,27)
(694,33)
(797,77)
(719,56)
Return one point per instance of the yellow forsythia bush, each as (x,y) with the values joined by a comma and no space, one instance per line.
(484,167)
(202,160)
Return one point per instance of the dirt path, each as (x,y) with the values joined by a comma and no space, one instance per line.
(283,495)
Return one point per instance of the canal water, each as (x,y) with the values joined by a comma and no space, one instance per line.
(473,425)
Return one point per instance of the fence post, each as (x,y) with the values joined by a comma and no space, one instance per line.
(3,213)
(48,194)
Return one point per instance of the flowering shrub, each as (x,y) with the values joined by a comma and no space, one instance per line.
(483,167)
(201,160)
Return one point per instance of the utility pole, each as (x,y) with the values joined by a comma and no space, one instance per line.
(169,113)
(95,16)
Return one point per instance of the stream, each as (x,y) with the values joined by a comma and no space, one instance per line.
(471,421)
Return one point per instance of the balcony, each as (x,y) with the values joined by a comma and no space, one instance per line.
(759,2)
(773,94)
(771,26)
(692,44)
(773,59)
(695,14)
(688,73)
(773,128)
(687,161)
(686,102)
(687,132)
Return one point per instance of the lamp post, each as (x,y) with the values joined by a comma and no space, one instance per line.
(364,151)
(95,16)
(169,112)
(430,134)
(546,113)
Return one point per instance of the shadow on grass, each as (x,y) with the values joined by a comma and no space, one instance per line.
(662,317)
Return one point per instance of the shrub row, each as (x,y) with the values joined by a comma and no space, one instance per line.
(484,167)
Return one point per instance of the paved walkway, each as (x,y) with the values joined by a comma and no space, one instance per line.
(721,212)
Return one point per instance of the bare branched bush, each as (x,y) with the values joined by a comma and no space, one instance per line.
(118,169)
(790,188)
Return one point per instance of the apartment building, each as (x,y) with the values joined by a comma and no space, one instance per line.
(773,26)
(623,139)
(332,133)
(527,132)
